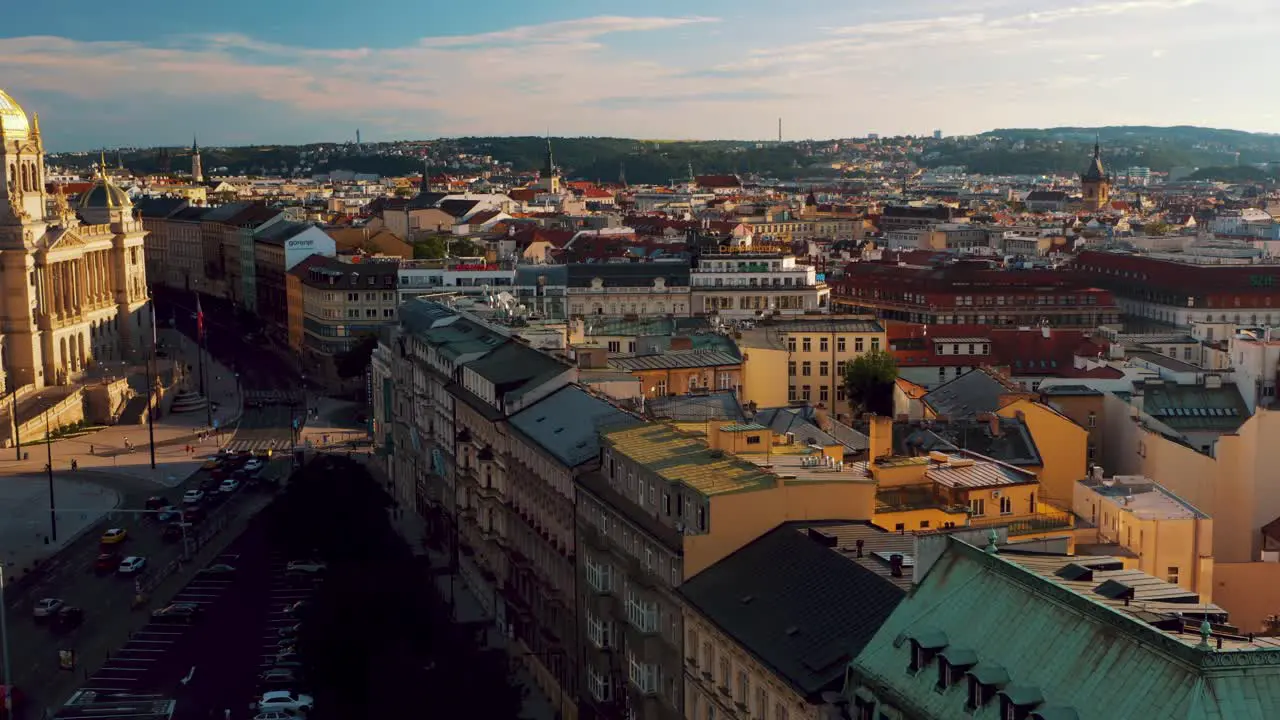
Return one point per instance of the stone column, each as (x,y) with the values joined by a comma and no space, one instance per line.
(100,288)
(55,290)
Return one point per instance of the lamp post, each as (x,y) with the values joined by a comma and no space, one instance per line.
(53,506)
(13,412)
(151,388)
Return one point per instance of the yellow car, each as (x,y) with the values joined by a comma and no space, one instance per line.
(114,536)
(209,465)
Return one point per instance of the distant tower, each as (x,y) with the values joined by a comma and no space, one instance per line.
(197,170)
(357,136)
(622,174)
(779,129)
(1095,182)
(549,181)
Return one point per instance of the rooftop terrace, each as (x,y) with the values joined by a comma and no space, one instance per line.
(680,457)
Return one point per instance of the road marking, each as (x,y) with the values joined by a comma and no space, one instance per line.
(195,602)
(156,632)
(153,642)
(104,689)
(185,593)
(108,668)
(140,650)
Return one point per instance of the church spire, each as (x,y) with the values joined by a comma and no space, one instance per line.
(197,167)
(550,165)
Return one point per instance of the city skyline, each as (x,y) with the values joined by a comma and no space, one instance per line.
(726,71)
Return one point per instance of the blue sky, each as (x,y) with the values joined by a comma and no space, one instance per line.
(147,72)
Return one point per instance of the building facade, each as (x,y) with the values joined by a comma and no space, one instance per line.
(750,284)
(73,290)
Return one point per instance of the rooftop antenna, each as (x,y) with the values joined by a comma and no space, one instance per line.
(779,129)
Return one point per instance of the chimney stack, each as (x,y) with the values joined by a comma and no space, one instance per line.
(895,565)
(859,545)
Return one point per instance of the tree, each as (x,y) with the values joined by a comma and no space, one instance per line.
(352,363)
(868,383)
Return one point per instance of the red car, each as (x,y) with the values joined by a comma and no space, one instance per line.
(107,562)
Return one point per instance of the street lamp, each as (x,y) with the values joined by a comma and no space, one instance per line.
(53,512)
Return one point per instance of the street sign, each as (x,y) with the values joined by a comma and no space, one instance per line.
(66,659)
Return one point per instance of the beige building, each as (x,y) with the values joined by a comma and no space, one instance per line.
(1150,528)
(628,289)
(749,284)
(814,352)
(73,292)
(341,303)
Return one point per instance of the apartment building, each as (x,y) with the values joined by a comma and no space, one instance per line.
(467,276)
(664,506)
(747,284)
(227,235)
(277,249)
(483,436)
(652,288)
(334,304)
(811,353)
(179,260)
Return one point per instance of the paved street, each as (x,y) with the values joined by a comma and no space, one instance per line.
(266,428)
(106,599)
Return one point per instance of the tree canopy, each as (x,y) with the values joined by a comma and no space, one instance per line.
(868,382)
(377,639)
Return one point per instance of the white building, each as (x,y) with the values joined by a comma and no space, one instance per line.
(747,284)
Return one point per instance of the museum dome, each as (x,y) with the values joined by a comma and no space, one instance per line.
(12,118)
(105,194)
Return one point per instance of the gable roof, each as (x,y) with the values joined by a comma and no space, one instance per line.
(564,424)
(806,617)
(968,395)
(1067,648)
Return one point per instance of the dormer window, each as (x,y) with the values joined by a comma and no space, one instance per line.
(924,647)
(1018,701)
(952,664)
(985,680)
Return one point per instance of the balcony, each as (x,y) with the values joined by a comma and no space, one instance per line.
(1041,522)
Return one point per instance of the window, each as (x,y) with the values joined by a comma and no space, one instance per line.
(806,344)
(840,345)
(762,703)
(641,613)
(1006,505)
(979,694)
(692,647)
(780,712)
(643,675)
(791,344)
(744,687)
(1172,575)
(977,507)
(806,368)
(599,576)
(822,345)
(724,672)
(791,368)
(615,346)
(875,343)
(824,369)
(598,684)
(805,393)
(857,345)
(1092,422)
(599,631)
(708,657)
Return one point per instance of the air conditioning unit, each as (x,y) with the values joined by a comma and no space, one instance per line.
(995,494)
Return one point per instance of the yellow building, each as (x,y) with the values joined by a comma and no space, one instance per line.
(1063,446)
(1149,528)
(341,303)
(816,354)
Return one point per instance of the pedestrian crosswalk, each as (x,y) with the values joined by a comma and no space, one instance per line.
(273,397)
(257,445)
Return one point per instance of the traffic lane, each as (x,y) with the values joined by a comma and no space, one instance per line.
(70,575)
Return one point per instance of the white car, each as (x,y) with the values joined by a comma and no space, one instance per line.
(47,606)
(229,485)
(131,565)
(285,700)
(306,566)
(275,715)
(254,465)
(191,497)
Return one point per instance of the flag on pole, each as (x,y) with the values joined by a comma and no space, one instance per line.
(199,320)
(155,340)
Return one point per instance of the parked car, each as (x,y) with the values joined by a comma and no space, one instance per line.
(229,485)
(191,497)
(156,502)
(194,513)
(254,465)
(168,513)
(67,618)
(279,677)
(177,613)
(309,567)
(298,609)
(285,700)
(132,565)
(114,536)
(45,607)
(210,484)
(276,715)
(220,569)
(290,631)
(107,562)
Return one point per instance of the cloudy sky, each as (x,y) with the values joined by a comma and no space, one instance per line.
(150,72)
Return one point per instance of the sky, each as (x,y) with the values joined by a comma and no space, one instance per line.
(238,72)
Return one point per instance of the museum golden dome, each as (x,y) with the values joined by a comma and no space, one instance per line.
(12,118)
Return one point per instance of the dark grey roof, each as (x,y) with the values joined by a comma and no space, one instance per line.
(1053,390)
(1195,408)
(697,408)
(418,315)
(162,207)
(966,396)
(806,617)
(565,424)
(527,275)
(190,214)
(281,232)
(629,274)
(1012,443)
(829,326)
(1046,196)
(803,421)
(514,367)
(425,200)
(676,359)
(458,208)
(222,213)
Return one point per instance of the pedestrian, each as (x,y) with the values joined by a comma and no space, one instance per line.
(91,450)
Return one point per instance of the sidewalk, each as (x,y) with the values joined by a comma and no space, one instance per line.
(334,424)
(467,609)
(105,450)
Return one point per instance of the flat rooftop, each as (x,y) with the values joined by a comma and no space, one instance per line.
(807,465)
(681,457)
(1144,497)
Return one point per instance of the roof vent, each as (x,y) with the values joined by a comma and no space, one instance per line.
(746,599)
(793,631)
(1114,590)
(1075,572)
(823,538)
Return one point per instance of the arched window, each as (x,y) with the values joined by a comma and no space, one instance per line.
(26,177)
(12,179)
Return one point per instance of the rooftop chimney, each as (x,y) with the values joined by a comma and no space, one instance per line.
(895,565)
(859,545)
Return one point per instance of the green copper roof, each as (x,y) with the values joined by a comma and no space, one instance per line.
(1059,650)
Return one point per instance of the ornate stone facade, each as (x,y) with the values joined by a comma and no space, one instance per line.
(72,291)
